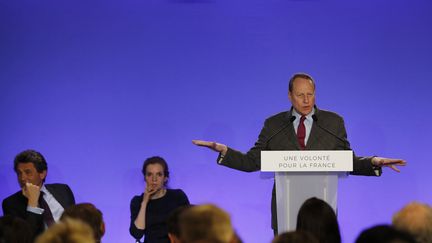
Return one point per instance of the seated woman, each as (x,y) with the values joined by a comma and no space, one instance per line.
(150,210)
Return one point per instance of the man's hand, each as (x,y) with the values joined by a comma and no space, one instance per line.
(218,147)
(32,193)
(392,163)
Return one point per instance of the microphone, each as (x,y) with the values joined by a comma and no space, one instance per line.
(292,118)
(344,141)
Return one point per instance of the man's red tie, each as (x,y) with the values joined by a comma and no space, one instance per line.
(301,133)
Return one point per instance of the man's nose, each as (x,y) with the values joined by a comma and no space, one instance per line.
(22,178)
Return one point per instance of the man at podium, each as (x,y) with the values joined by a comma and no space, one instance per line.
(303,127)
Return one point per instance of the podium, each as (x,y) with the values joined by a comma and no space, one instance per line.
(300,175)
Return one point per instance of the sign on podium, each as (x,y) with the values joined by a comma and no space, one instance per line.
(300,175)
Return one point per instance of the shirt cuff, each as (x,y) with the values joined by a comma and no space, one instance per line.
(220,158)
(377,169)
(35,210)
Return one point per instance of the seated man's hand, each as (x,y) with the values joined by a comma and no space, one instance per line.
(32,193)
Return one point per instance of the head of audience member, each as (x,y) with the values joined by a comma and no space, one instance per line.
(89,214)
(14,229)
(156,172)
(295,237)
(416,219)
(301,93)
(67,231)
(173,223)
(30,167)
(384,234)
(318,218)
(206,224)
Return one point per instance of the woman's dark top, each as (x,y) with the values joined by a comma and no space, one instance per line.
(157,212)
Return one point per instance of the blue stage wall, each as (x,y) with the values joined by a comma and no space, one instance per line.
(98,86)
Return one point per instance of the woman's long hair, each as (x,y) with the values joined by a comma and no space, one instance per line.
(318,218)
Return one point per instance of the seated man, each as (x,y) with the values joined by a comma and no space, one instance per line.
(39,204)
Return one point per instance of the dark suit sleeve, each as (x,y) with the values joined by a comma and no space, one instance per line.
(16,206)
(363,166)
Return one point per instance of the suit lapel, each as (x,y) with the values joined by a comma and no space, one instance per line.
(312,137)
(56,194)
(22,202)
(290,135)
(291,139)
(314,134)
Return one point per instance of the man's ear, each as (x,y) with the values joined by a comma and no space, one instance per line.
(43,175)
(102,227)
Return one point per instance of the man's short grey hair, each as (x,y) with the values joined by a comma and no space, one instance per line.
(416,219)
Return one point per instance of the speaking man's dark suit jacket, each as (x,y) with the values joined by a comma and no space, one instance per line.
(16,205)
(273,138)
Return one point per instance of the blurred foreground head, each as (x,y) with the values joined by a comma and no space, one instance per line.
(318,218)
(206,224)
(14,229)
(416,219)
(384,234)
(67,231)
(90,215)
(295,237)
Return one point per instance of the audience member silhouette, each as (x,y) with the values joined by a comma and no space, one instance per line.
(384,234)
(295,237)
(15,230)
(416,219)
(318,218)
(67,231)
(90,215)
(206,223)
(173,223)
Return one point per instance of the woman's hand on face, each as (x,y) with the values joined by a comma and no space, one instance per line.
(148,192)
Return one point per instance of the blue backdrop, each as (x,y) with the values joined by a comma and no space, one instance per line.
(98,86)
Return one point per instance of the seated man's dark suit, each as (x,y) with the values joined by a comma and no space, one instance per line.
(273,138)
(16,205)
